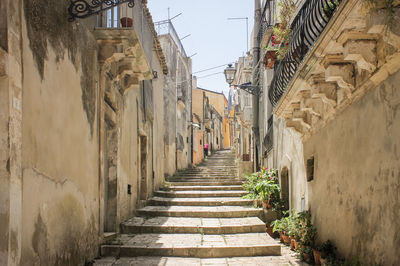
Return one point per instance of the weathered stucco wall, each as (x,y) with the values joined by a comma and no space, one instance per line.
(4,162)
(355,199)
(288,153)
(60,146)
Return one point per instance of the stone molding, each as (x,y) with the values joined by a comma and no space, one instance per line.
(353,55)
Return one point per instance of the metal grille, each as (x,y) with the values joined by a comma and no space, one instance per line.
(267,19)
(306,29)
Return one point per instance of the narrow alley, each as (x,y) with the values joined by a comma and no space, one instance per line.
(212,132)
(200,213)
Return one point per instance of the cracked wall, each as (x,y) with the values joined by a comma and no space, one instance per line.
(355,197)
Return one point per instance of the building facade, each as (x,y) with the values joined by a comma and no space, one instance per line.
(80,133)
(327,119)
(177,100)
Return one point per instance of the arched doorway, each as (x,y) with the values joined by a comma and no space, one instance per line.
(285,187)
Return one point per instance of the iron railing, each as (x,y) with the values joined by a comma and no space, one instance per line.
(166,27)
(267,19)
(307,26)
(269,137)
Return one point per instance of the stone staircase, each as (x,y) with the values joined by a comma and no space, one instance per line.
(201,215)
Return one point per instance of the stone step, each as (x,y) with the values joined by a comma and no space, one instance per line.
(188,225)
(209,188)
(216,201)
(202,211)
(206,172)
(220,177)
(173,261)
(200,194)
(200,179)
(209,183)
(192,245)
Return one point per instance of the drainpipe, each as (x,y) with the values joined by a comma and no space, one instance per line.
(256,58)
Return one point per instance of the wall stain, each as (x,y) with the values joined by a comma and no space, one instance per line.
(77,240)
(47,23)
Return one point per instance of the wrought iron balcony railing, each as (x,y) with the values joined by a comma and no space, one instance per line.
(307,26)
(267,19)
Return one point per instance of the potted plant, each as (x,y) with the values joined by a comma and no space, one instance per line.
(276,227)
(326,249)
(270,230)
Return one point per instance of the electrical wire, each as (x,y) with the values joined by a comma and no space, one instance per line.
(212,68)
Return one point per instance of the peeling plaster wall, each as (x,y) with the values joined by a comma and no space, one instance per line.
(355,198)
(59,137)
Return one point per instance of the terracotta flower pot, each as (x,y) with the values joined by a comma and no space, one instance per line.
(269,59)
(292,243)
(270,231)
(296,245)
(286,239)
(126,22)
(317,257)
(281,236)
(265,204)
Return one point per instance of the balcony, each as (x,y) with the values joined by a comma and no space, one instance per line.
(130,30)
(267,21)
(307,27)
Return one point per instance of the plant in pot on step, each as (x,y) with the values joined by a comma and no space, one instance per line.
(326,250)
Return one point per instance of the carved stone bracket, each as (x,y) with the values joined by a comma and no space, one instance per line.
(361,48)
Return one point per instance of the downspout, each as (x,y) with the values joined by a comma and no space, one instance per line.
(256,58)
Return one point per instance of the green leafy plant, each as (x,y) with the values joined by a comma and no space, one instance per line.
(327,249)
(262,185)
(330,8)
(281,31)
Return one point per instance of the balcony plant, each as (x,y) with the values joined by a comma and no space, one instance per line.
(282,30)
(330,8)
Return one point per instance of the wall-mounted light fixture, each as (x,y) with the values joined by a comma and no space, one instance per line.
(230,72)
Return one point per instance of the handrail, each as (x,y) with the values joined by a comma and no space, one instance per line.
(306,27)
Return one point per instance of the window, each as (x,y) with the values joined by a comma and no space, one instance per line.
(310,169)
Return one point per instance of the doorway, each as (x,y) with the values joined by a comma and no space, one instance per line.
(285,187)
(110,177)
(143,167)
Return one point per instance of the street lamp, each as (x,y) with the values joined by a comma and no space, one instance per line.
(230,76)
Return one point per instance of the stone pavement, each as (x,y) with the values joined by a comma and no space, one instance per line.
(199,219)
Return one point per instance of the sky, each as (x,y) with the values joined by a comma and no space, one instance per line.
(216,40)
